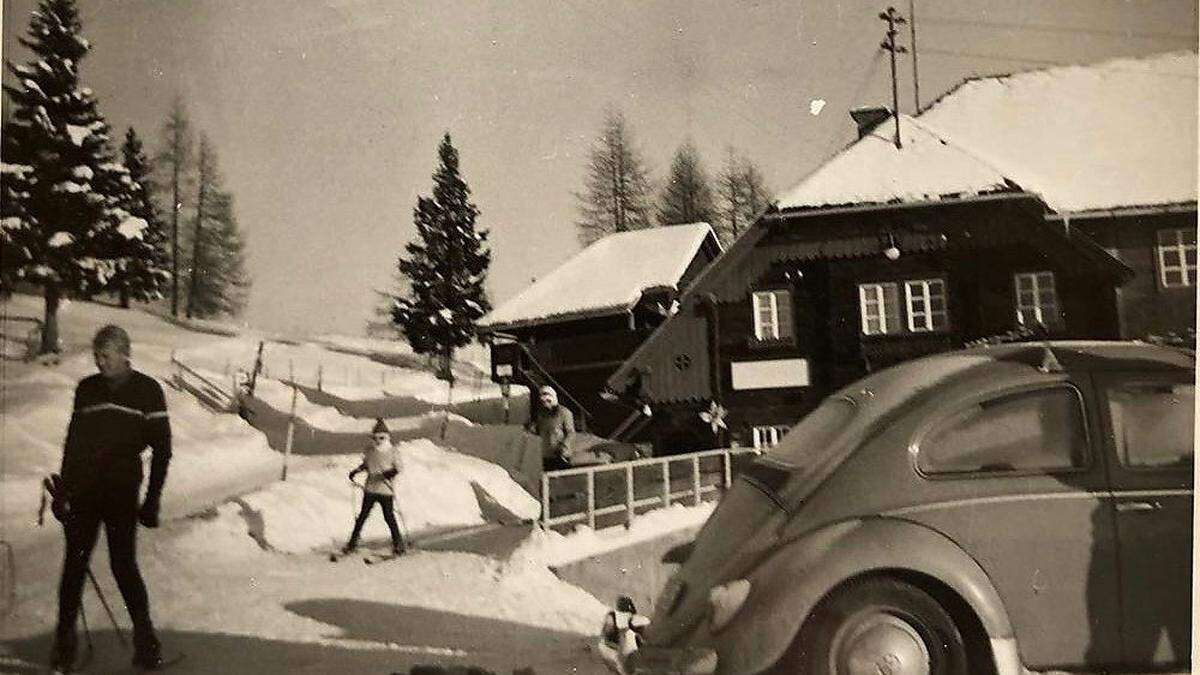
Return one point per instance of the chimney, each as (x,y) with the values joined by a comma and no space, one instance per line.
(869,117)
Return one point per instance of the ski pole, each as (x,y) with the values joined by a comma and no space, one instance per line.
(87,633)
(107,609)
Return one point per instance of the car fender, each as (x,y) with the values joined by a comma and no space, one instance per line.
(788,585)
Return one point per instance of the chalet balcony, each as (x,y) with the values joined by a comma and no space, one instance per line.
(596,350)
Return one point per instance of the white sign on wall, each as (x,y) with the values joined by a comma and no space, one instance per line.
(773,374)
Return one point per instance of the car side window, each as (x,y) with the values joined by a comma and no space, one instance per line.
(1030,431)
(1153,423)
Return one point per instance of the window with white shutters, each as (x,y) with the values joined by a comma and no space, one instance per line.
(772,315)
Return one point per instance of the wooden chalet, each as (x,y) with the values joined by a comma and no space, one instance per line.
(902,247)
(572,328)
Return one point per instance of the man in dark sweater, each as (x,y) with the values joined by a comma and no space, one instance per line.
(117,414)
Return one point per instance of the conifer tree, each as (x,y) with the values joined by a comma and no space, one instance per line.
(217,284)
(56,149)
(143,270)
(617,192)
(222,286)
(174,161)
(687,196)
(741,194)
(445,267)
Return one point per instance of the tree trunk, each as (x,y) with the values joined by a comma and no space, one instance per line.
(50,324)
(124,296)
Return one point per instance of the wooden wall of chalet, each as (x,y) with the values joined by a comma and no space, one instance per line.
(981,302)
(1146,306)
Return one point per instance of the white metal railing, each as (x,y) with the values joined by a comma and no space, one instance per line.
(665,497)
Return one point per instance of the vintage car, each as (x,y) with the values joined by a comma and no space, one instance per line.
(992,510)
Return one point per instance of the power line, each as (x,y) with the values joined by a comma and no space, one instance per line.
(1054,28)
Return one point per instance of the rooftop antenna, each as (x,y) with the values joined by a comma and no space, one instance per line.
(889,45)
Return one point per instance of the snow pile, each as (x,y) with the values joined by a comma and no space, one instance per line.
(315,508)
(550,548)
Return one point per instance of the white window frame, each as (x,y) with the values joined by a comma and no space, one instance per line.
(1036,313)
(872,308)
(768,436)
(926,320)
(1180,248)
(768,300)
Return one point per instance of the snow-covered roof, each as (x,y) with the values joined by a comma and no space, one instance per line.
(609,276)
(1113,135)
(874,171)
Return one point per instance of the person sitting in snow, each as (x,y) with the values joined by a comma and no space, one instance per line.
(382,463)
(117,414)
(555,424)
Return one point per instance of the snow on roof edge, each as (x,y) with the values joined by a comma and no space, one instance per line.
(692,245)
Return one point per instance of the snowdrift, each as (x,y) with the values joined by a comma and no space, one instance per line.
(315,508)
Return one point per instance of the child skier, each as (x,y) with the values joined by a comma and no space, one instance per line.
(382,463)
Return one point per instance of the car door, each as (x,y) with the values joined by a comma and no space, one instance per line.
(1149,428)
(1015,479)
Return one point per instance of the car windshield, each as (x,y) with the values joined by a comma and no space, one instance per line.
(814,432)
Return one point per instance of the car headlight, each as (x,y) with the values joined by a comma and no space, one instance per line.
(726,600)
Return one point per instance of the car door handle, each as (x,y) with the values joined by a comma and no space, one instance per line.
(1140,507)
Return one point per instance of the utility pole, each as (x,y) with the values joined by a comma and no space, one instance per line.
(889,44)
(912,33)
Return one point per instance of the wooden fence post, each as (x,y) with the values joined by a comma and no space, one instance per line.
(696,480)
(320,367)
(727,458)
(545,497)
(291,428)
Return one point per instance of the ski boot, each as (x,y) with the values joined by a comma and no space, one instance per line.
(62,654)
(147,652)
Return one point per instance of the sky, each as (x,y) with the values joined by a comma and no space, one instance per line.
(326,114)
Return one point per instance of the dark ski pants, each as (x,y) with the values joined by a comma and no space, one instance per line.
(385,502)
(119,516)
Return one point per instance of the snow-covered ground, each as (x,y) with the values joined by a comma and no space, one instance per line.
(248,567)
(550,548)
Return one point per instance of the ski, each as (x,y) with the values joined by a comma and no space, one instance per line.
(381,557)
(130,669)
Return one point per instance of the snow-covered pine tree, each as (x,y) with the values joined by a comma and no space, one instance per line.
(143,271)
(741,194)
(174,163)
(617,192)
(57,142)
(445,267)
(687,196)
(217,284)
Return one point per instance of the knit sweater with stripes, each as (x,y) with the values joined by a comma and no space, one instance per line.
(111,425)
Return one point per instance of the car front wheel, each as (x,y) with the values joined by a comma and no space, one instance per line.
(878,627)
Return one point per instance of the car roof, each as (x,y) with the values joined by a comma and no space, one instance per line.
(1094,355)
(955,373)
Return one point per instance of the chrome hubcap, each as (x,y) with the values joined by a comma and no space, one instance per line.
(878,644)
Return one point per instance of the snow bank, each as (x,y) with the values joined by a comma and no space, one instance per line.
(315,508)
(550,548)
(210,449)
